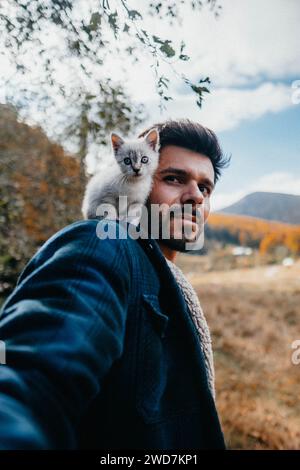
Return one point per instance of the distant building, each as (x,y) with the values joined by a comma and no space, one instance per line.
(287,261)
(241,251)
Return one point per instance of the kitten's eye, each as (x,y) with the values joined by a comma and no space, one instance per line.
(127,161)
(144,159)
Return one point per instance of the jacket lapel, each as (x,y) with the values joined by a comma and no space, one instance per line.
(176,302)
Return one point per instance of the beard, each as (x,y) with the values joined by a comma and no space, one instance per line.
(181,239)
(171,231)
(175,244)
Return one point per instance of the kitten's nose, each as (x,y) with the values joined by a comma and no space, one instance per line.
(136,170)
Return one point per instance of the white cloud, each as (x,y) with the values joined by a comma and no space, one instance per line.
(253,43)
(221,200)
(251,39)
(250,53)
(226,108)
(281,182)
(277,182)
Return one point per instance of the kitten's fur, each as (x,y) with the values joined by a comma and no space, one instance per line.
(121,178)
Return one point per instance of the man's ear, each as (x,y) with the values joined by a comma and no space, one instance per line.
(116,141)
(152,139)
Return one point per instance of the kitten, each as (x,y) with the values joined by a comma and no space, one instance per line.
(131,175)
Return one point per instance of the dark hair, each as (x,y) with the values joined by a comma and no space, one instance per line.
(193,136)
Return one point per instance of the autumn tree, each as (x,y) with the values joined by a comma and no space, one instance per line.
(40,192)
(292,241)
(59,49)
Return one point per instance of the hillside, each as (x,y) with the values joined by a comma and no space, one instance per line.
(269,206)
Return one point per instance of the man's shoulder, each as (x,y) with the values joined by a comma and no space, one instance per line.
(90,229)
(100,237)
(84,243)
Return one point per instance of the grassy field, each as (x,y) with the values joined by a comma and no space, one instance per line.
(254,316)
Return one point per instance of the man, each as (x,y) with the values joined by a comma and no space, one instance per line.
(101,351)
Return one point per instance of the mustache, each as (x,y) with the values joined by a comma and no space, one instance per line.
(180,215)
(177,211)
(182,211)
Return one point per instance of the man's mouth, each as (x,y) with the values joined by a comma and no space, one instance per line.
(189,218)
(194,218)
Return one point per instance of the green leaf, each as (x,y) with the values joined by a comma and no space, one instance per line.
(95,21)
(204,80)
(167,49)
(199,90)
(133,14)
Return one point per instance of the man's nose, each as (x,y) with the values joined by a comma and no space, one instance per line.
(193,195)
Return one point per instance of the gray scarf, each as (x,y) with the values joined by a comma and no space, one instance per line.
(198,317)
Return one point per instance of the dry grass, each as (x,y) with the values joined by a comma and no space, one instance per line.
(254,316)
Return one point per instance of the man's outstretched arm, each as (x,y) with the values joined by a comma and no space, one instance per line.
(63,327)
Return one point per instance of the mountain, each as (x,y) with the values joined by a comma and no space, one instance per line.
(269,206)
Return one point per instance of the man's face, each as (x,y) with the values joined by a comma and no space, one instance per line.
(183,177)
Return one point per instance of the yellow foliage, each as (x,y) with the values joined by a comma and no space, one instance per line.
(268,234)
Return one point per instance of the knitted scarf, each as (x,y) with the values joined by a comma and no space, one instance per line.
(199,320)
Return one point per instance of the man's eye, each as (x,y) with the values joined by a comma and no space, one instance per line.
(171,178)
(204,190)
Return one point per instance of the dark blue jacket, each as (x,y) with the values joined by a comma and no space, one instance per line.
(101,351)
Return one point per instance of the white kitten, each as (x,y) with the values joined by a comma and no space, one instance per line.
(131,175)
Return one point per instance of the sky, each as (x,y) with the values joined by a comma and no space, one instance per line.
(251,53)
(252,56)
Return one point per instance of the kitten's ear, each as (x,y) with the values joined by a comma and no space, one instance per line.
(116,141)
(152,139)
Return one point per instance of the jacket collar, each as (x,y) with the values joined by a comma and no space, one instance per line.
(167,280)
(177,304)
